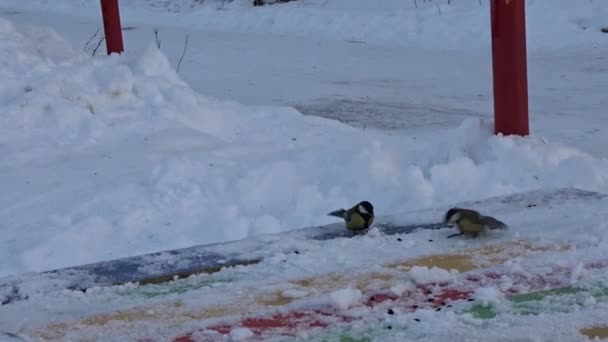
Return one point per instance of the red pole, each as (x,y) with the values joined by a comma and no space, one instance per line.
(111,26)
(509,67)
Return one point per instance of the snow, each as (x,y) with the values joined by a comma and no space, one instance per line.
(424,275)
(488,295)
(312,278)
(393,22)
(345,298)
(294,293)
(280,114)
(240,334)
(400,288)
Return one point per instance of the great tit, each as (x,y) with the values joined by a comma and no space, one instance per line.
(358,218)
(471,222)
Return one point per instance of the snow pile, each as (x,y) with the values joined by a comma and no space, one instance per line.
(399,288)
(424,275)
(109,157)
(488,295)
(345,298)
(55,98)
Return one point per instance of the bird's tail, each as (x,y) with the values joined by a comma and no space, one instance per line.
(338,213)
(493,223)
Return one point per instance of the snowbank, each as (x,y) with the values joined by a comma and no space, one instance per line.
(431,24)
(114,156)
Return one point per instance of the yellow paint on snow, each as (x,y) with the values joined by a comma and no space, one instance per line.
(175,313)
(121,322)
(471,259)
(597,332)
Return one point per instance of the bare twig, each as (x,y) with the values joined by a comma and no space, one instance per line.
(415,4)
(101,40)
(86,45)
(183,53)
(156,37)
(438,9)
(324,3)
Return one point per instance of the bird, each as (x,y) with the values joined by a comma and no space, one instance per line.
(358,218)
(471,222)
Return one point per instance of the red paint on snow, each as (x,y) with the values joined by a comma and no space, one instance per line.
(285,323)
(185,338)
(451,294)
(423,296)
(290,320)
(378,299)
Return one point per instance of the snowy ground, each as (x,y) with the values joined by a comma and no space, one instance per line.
(107,157)
(295,275)
(110,157)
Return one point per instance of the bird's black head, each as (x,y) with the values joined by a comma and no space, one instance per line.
(451,216)
(365,208)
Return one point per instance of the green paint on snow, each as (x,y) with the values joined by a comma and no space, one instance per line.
(354,339)
(563,299)
(540,295)
(365,333)
(482,311)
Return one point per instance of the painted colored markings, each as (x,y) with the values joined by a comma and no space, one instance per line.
(174,313)
(562,299)
(481,257)
(175,287)
(595,332)
(427,296)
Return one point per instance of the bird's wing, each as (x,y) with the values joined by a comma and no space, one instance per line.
(493,223)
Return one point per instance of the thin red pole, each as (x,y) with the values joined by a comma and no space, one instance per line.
(509,67)
(111,26)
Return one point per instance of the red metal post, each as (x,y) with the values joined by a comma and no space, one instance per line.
(111,26)
(509,67)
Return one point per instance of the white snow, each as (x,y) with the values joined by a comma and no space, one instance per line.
(590,301)
(113,156)
(505,283)
(345,298)
(294,293)
(488,295)
(428,24)
(424,275)
(240,334)
(108,157)
(400,288)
